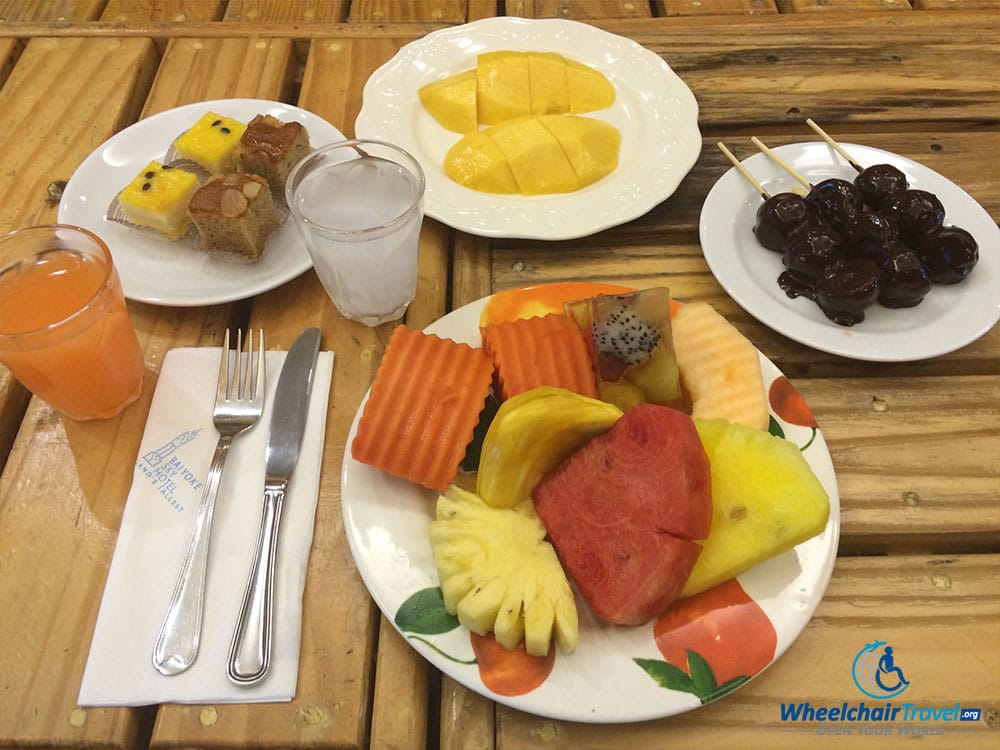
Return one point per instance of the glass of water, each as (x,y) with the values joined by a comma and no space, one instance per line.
(359,205)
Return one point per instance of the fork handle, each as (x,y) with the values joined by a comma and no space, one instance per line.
(180,634)
(250,652)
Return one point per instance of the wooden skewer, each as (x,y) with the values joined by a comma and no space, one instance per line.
(836,146)
(780,162)
(743,170)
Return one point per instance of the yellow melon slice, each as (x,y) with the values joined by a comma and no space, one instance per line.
(477,163)
(590,145)
(765,500)
(452,101)
(537,160)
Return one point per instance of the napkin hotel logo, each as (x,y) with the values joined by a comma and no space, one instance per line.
(167,472)
(878,675)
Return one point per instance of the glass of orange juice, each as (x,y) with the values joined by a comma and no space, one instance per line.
(65,332)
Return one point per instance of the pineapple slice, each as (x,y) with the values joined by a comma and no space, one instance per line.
(765,501)
(498,573)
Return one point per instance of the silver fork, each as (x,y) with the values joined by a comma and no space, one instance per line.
(239,401)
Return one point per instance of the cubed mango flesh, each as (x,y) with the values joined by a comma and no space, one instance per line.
(527,151)
(452,101)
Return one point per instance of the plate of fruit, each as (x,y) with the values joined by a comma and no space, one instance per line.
(158,193)
(878,258)
(595,504)
(548,129)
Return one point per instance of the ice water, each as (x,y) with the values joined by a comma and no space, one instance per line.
(362,218)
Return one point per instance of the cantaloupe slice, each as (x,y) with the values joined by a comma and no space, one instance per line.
(719,367)
(765,500)
(452,101)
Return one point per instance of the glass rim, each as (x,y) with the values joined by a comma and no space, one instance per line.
(356,144)
(89,304)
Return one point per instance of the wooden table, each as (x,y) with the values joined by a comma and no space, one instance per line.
(916,446)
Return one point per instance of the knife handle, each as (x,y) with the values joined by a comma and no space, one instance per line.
(250,653)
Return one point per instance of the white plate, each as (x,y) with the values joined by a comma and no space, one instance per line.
(174,273)
(948,318)
(654,110)
(386,520)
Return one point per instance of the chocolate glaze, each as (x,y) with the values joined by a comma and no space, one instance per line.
(916,213)
(869,235)
(847,289)
(879,182)
(810,248)
(904,279)
(949,254)
(836,200)
(777,216)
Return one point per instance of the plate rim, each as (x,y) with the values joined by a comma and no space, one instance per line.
(242,287)
(827,543)
(811,328)
(677,163)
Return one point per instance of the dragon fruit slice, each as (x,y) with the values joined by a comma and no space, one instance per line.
(631,344)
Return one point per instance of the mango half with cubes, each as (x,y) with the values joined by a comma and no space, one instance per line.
(505,85)
(535,155)
(765,501)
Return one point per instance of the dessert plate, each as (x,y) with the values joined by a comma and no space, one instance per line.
(175,273)
(610,676)
(948,318)
(654,111)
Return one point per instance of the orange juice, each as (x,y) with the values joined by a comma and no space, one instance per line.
(64,328)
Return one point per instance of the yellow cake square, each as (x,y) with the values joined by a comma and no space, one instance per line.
(158,198)
(212,142)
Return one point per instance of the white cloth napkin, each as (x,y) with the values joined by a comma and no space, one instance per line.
(159,514)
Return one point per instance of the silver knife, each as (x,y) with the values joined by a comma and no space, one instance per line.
(250,653)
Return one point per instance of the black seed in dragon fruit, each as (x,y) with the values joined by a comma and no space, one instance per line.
(631,343)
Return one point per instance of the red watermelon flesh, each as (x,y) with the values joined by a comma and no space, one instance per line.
(623,510)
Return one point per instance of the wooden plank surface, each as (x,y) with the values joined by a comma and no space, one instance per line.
(914,445)
(938,613)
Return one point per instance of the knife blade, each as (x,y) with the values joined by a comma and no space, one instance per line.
(250,652)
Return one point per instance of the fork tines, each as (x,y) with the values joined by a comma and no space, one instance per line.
(243,376)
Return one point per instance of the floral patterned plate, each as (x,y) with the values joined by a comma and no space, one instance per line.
(696,652)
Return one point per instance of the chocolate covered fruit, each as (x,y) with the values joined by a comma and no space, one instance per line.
(535,155)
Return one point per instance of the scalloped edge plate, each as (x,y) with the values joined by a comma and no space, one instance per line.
(655,112)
